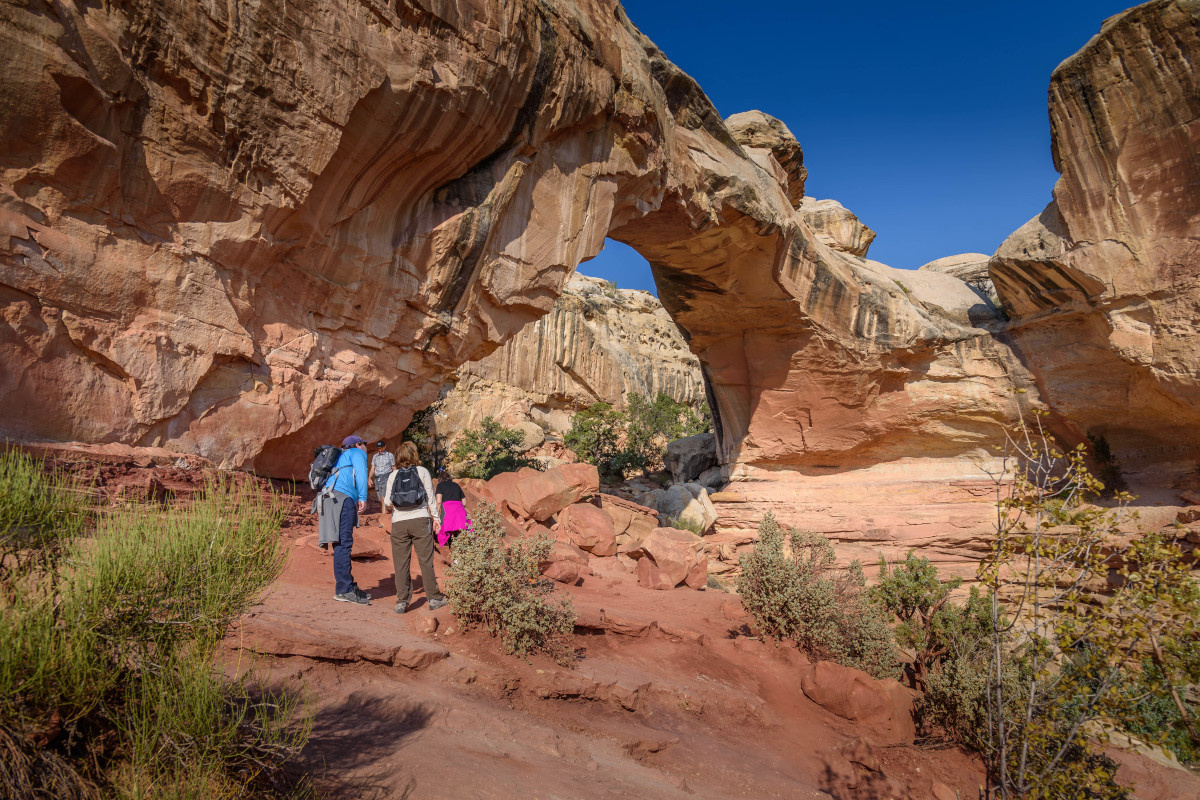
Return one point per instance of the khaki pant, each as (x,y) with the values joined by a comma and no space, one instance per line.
(406,535)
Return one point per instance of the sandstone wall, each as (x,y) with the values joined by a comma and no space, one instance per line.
(1104,284)
(595,345)
(240,230)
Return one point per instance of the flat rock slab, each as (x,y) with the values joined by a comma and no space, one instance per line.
(279,634)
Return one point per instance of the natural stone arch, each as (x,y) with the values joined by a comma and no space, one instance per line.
(330,236)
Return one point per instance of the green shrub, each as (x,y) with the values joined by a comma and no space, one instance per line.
(490,449)
(108,683)
(595,438)
(795,593)
(636,439)
(423,431)
(500,587)
(929,625)
(1076,652)
(679,523)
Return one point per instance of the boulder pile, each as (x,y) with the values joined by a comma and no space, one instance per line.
(565,503)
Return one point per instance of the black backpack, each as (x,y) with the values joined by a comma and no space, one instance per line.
(408,491)
(324,459)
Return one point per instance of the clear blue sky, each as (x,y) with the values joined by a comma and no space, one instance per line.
(927,120)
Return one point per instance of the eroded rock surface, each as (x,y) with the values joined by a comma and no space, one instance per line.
(239,235)
(1104,284)
(597,344)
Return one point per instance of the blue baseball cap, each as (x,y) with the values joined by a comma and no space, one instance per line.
(352,440)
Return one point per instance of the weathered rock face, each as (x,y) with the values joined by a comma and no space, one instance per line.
(971,269)
(597,344)
(239,235)
(1104,284)
(836,227)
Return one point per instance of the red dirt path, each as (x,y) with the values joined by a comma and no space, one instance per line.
(672,696)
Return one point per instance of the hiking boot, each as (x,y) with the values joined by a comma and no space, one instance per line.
(401,608)
(354,596)
(434,605)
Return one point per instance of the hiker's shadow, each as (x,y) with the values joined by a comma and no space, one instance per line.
(350,753)
(385,588)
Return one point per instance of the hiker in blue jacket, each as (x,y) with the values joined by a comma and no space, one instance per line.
(350,495)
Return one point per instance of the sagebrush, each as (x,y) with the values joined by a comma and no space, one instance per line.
(790,585)
(500,587)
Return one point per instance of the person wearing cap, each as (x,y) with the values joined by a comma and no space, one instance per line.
(382,464)
(350,492)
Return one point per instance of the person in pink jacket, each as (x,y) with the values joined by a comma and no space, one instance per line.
(454,513)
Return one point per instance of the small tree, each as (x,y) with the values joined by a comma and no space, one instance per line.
(928,623)
(1053,551)
(794,592)
(595,437)
(489,450)
(423,432)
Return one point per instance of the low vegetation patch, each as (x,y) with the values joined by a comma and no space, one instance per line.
(791,587)
(111,623)
(619,442)
(499,587)
(488,450)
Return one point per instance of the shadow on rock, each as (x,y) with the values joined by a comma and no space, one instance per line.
(351,751)
(844,780)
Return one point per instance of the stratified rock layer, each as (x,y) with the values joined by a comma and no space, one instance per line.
(242,231)
(1104,284)
(597,344)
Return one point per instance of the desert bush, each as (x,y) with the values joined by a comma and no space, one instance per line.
(500,587)
(636,439)
(488,450)
(595,437)
(679,523)
(423,431)
(108,683)
(1074,650)
(794,592)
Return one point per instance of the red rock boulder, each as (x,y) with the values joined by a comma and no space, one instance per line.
(631,522)
(674,557)
(565,563)
(541,495)
(884,707)
(589,528)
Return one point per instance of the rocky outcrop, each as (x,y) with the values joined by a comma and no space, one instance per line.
(597,344)
(1104,284)
(836,227)
(971,269)
(216,243)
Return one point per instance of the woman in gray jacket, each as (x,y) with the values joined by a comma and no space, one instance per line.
(414,517)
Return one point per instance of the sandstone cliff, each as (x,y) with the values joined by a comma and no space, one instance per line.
(597,344)
(1104,284)
(240,231)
